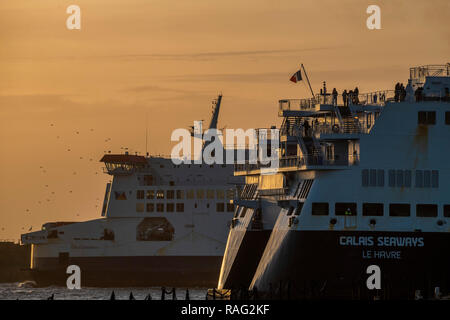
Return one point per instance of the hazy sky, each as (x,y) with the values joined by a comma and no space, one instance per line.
(91,90)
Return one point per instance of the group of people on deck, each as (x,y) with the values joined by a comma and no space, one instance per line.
(351,96)
(400,92)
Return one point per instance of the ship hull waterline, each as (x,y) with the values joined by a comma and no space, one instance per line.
(333,264)
(132,271)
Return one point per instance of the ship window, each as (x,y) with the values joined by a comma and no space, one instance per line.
(230,207)
(447,210)
(243,212)
(422,117)
(435,179)
(160,194)
(447,117)
(289,212)
(220,194)
(200,193)
(120,195)
(171,183)
(170,194)
(190,194)
(230,194)
(399,180)
(150,194)
(399,210)
(365,177)
(391,178)
(320,209)
(426,178)
(180,207)
(150,207)
(380,178)
(426,210)
(195,206)
(220,207)
(140,194)
(341,207)
(160,207)
(140,207)
(180,194)
(426,117)
(148,180)
(154,229)
(373,178)
(408,178)
(419,179)
(298,210)
(431,117)
(373,209)
(170,207)
(210,194)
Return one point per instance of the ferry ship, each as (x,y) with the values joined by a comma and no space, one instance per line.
(361,185)
(161,225)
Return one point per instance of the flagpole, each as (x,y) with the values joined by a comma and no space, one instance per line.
(307,79)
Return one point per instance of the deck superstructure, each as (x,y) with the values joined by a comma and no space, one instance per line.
(357,185)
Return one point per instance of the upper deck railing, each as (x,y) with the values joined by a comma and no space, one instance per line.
(371,98)
(430,70)
(301,162)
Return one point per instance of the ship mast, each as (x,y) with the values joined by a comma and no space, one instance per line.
(215,115)
(214,119)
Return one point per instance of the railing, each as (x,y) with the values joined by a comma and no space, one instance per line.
(325,128)
(374,98)
(15,241)
(370,98)
(297,104)
(429,70)
(302,162)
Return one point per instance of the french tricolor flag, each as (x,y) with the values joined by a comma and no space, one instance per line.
(296,77)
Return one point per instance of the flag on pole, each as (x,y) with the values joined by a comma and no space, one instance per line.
(297,76)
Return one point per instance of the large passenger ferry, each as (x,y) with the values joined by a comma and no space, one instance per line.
(362,185)
(161,225)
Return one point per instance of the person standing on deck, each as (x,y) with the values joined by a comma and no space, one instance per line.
(335,95)
(356,96)
(344,98)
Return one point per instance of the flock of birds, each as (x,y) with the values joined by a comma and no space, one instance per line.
(49,190)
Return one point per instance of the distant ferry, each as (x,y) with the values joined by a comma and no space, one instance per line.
(362,185)
(162,225)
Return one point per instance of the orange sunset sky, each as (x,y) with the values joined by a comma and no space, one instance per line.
(91,90)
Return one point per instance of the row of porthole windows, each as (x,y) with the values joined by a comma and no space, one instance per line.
(178,207)
(400,178)
(429,117)
(181,194)
(377,209)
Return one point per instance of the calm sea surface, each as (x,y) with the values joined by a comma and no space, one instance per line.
(25,291)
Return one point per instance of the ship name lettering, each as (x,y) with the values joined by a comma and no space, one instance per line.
(356,241)
(400,242)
